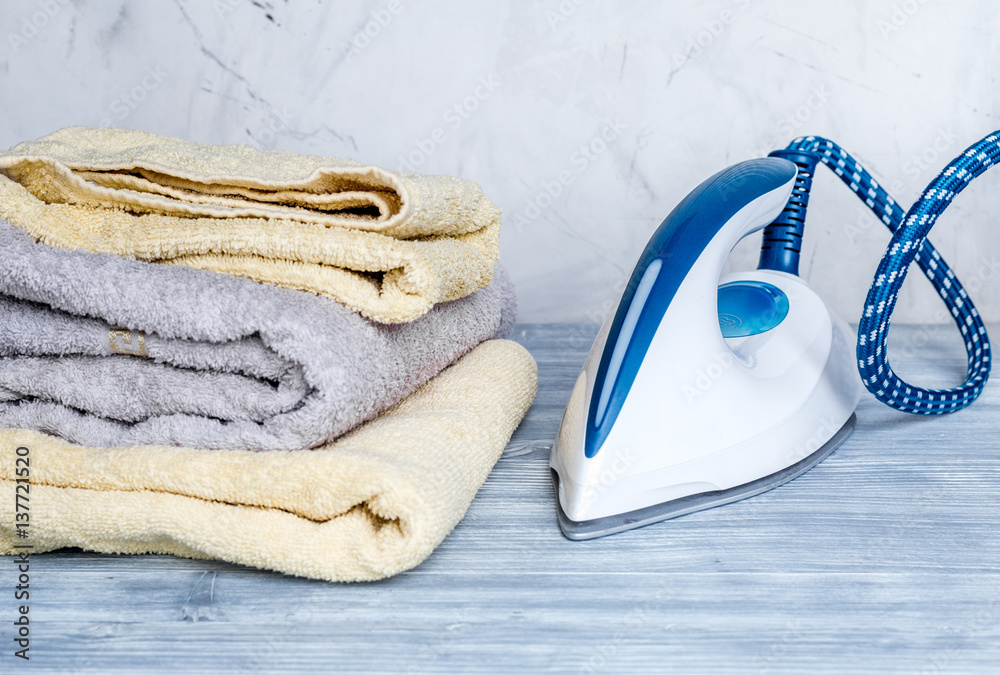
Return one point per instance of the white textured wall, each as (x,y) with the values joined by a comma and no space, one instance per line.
(509,93)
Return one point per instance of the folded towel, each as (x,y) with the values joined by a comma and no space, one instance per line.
(106,351)
(372,504)
(389,245)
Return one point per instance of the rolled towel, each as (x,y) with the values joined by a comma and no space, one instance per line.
(372,504)
(107,351)
(389,245)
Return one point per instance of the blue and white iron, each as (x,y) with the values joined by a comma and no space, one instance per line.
(697,394)
(701,390)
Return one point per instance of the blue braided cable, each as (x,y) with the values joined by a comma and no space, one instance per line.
(909,244)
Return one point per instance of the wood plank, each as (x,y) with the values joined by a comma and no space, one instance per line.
(886,557)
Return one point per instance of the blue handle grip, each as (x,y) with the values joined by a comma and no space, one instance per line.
(675,247)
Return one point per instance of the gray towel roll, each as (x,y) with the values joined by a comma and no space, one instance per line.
(108,351)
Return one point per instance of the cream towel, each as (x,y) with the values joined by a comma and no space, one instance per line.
(389,245)
(372,504)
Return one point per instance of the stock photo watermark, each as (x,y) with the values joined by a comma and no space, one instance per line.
(769,657)
(710,31)
(124,104)
(31,25)
(914,168)
(224,7)
(277,122)
(984,619)
(638,617)
(453,118)
(824,431)
(623,461)
(562,12)
(788,126)
(261,656)
(928,158)
(583,334)
(985,274)
(900,15)
(711,373)
(379,20)
(22,551)
(580,160)
(433,651)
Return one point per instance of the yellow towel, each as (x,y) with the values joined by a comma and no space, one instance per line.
(389,245)
(372,504)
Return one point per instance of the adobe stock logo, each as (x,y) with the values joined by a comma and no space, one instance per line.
(380,20)
(825,430)
(581,159)
(123,104)
(454,117)
(616,468)
(33,24)
(901,14)
(706,377)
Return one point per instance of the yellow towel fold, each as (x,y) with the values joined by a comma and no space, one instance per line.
(389,245)
(371,504)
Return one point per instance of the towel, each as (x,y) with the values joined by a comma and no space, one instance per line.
(372,504)
(389,245)
(107,351)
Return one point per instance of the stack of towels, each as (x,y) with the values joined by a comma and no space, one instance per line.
(291,362)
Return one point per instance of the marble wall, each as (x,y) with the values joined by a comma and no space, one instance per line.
(585,120)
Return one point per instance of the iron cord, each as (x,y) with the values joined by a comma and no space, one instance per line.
(909,244)
(782,243)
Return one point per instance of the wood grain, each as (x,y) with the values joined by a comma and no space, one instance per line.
(886,557)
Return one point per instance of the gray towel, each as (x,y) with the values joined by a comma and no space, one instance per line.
(108,351)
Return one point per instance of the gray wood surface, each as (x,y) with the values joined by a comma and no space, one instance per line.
(884,558)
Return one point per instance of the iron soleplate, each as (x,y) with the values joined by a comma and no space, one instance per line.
(601,527)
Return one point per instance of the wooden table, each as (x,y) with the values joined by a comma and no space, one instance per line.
(886,557)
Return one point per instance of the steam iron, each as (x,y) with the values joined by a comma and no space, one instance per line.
(701,390)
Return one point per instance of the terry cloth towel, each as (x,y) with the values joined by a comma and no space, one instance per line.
(107,351)
(389,245)
(372,504)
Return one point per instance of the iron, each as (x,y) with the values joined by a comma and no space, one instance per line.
(700,389)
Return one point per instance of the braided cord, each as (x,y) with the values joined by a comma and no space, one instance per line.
(909,244)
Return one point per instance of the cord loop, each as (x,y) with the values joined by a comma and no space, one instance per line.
(909,244)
